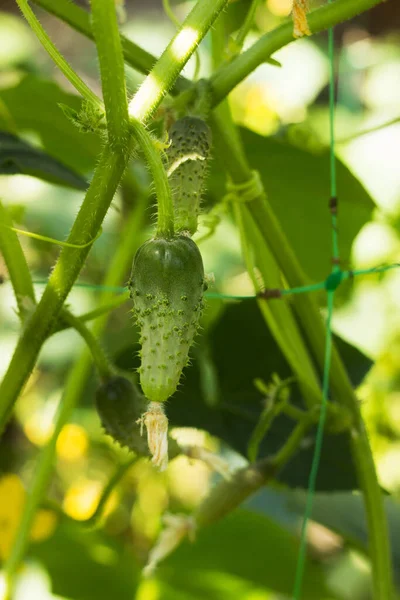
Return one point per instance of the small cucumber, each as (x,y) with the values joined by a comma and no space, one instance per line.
(187,155)
(120,406)
(166,286)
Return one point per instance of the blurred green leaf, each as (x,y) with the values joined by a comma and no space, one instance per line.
(84,565)
(33,107)
(342,512)
(18,157)
(297,185)
(247,546)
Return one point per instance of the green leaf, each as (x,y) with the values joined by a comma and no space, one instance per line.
(86,564)
(241,349)
(248,547)
(33,107)
(297,186)
(18,157)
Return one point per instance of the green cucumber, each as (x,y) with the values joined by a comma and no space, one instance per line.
(166,286)
(120,407)
(187,155)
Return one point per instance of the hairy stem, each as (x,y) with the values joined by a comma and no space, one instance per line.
(174,57)
(60,61)
(109,50)
(165,207)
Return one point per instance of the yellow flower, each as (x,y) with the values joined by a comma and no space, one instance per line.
(12,501)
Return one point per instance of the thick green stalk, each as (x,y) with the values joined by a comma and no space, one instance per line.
(74,389)
(278,316)
(229,75)
(165,207)
(112,70)
(174,57)
(60,61)
(93,210)
(16,264)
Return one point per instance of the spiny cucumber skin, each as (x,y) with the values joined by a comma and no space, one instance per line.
(167,285)
(187,156)
(120,406)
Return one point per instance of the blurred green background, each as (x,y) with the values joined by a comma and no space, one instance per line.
(283,111)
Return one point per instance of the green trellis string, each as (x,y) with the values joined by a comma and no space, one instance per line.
(331,284)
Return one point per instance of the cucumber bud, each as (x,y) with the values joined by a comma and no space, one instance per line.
(120,407)
(187,155)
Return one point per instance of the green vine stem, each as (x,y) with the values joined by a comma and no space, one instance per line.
(95,519)
(74,389)
(174,58)
(60,61)
(309,316)
(165,207)
(112,70)
(246,25)
(99,357)
(230,493)
(278,316)
(18,269)
(95,313)
(229,75)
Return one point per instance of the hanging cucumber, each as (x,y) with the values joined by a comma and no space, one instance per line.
(187,155)
(166,286)
(120,407)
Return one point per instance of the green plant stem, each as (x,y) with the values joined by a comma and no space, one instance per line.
(174,57)
(95,518)
(17,266)
(229,75)
(79,19)
(112,70)
(229,494)
(309,316)
(97,201)
(57,57)
(100,359)
(246,25)
(275,402)
(94,314)
(74,389)
(165,207)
